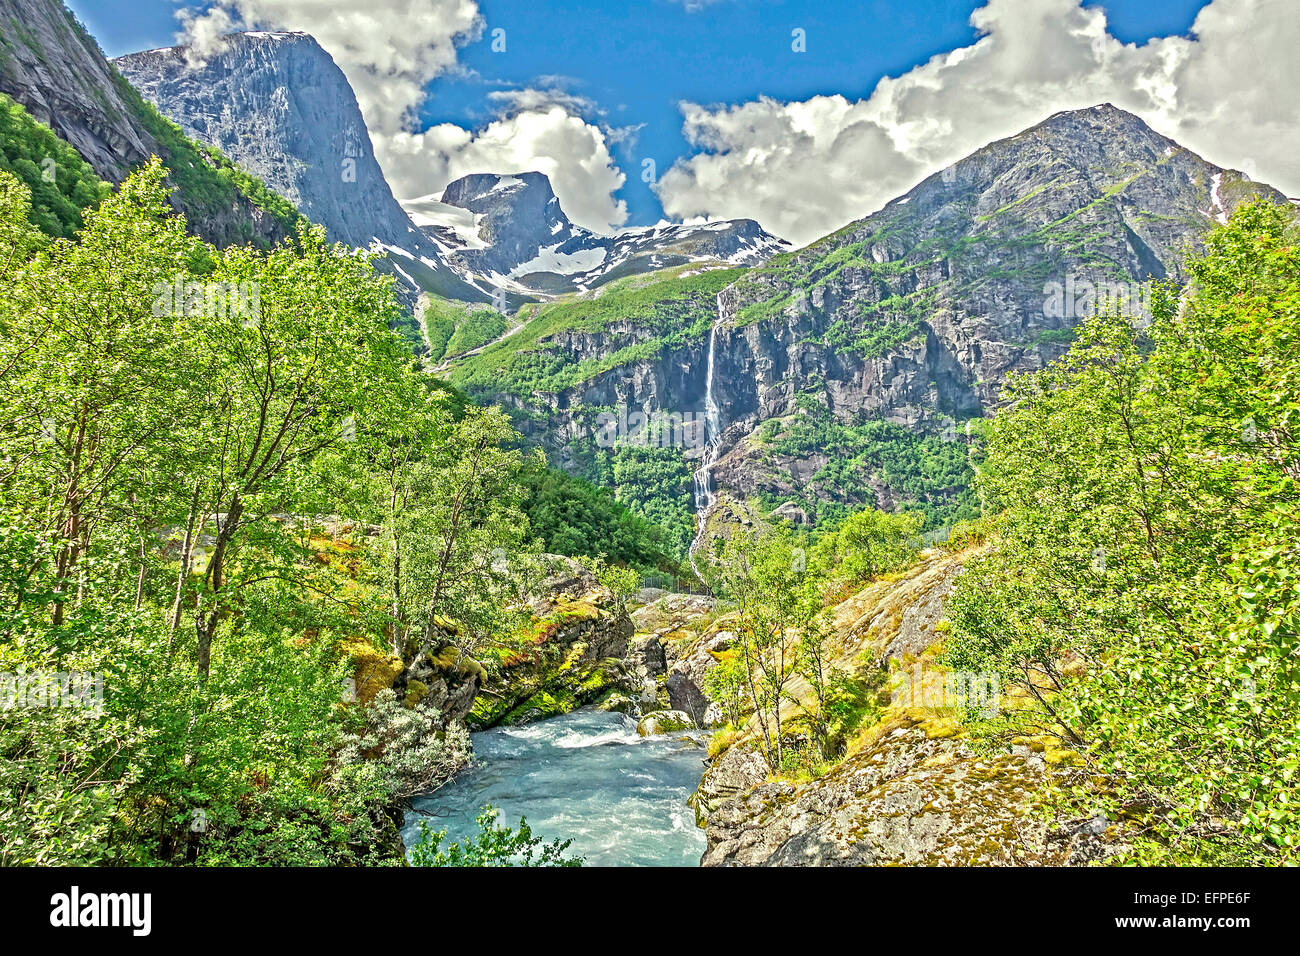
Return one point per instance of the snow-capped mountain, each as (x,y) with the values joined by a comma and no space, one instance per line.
(510,231)
(277,104)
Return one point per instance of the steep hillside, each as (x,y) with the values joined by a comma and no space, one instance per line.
(280,107)
(577,372)
(843,372)
(50,65)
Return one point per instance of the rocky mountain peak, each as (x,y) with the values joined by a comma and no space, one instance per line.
(278,104)
(516,215)
(512,229)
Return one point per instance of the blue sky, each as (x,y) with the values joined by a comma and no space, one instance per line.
(633,63)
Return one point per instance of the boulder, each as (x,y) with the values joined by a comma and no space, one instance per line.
(664,722)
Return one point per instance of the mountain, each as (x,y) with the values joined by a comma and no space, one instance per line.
(512,230)
(55,70)
(279,105)
(841,374)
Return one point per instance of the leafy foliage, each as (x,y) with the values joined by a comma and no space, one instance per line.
(197,510)
(62,185)
(571,516)
(1141,596)
(926,473)
(492,846)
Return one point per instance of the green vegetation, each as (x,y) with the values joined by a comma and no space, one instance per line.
(1142,597)
(454,328)
(61,183)
(653,483)
(492,846)
(672,307)
(775,585)
(179,617)
(567,515)
(868,543)
(925,473)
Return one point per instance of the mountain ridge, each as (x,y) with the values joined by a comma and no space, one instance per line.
(52,67)
(882,338)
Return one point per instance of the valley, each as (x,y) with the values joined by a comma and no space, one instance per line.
(962,535)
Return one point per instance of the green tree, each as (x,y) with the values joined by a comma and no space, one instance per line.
(493,845)
(766,578)
(1141,591)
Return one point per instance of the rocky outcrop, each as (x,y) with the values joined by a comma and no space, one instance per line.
(574,654)
(729,775)
(685,683)
(911,790)
(908,799)
(671,653)
(52,66)
(664,722)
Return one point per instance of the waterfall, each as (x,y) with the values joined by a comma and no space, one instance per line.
(705,496)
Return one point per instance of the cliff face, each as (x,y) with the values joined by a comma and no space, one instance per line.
(923,309)
(57,72)
(50,65)
(915,315)
(279,106)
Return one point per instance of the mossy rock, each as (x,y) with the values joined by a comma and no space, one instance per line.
(373,669)
(618,702)
(664,722)
(416,691)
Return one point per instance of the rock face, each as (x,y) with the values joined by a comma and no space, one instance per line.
(924,308)
(576,654)
(52,66)
(915,315)
(671,655)
(664,722)
(906,800)
(685,684)
(515,232)
(279,106)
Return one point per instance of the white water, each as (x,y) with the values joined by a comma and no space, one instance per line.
(705,496)
(586,777)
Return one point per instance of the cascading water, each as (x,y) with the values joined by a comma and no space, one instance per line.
(704,493)
(587,776)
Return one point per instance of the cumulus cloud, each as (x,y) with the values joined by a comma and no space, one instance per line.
(806,168)
(390,50)
(549,139)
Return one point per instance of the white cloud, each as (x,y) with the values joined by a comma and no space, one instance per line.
(806,168)
(390,50)
(572,152)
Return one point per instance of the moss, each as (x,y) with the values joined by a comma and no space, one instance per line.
(373,670)
(416,691)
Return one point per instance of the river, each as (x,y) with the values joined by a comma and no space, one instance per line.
(586,776)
